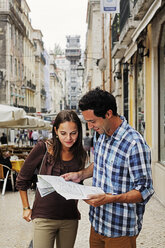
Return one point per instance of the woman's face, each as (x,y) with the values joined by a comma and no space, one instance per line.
(67,133)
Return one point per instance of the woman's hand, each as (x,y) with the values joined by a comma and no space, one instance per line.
(27,214)
(73,176)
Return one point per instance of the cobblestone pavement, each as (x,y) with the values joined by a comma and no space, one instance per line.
(16,233)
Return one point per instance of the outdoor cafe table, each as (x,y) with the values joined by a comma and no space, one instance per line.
(17,164)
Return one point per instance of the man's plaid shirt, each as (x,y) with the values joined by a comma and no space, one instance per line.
(122,163)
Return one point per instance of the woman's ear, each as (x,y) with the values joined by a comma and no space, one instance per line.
(55,130)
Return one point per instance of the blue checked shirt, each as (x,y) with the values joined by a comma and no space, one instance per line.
(121,163)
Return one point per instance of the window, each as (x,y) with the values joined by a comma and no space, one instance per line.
(15,67)
(73,88)
(162,96)
(19,70)
(140,124)
(11,64)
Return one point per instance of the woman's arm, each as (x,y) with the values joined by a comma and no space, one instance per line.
(26,207)
(32,162)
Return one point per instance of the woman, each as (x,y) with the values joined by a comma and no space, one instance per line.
(53,216)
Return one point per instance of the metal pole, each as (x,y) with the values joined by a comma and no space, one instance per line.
(103,73)
(110,54)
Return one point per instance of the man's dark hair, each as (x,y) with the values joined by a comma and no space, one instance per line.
(99,101)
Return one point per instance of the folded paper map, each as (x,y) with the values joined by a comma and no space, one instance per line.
(69,190)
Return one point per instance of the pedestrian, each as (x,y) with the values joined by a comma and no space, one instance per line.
(87,144)
(3,139)
(122,168)
(26,136)
(54,217)
(30,137)
(5,160)
(35,136)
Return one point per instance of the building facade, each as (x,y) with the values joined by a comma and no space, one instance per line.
(28,83)
(21,74)
(133,45)
(73,54)
(40,62)
(12,33)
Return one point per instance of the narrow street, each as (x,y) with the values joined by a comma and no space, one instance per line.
(16,233)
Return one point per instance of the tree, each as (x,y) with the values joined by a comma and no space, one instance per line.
(58,50)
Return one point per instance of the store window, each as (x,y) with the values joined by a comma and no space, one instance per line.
(140,123)
(162,96)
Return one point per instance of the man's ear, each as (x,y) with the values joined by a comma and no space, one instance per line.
(109,114)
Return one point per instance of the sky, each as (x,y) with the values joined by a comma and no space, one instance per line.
(58,18)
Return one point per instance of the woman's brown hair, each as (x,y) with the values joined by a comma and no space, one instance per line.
(77,148)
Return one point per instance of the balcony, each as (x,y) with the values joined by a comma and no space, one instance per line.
(27,109)
(141,7)
(73,54)
(124,13)
(29,86)
(118,50)
(115,30)
(122,29)
(43,110)
(127,22)
(32,110)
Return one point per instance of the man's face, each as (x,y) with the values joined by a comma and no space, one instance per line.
(99,124)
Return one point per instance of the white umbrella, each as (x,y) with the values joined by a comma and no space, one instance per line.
(10,115)
(27,122)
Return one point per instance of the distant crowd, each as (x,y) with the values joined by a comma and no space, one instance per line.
(24,137)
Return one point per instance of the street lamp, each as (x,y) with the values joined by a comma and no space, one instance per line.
(141,49)
(80,70)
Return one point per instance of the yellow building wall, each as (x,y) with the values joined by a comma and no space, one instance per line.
(131,100)
(148,89)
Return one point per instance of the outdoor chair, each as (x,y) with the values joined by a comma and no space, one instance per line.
(9,176)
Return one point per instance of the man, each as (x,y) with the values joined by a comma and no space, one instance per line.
(121,168)
(3,139)
(87,144)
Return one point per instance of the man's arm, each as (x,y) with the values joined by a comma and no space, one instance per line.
(80,175)
(133,196)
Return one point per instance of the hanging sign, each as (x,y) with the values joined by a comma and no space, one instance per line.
(110,6)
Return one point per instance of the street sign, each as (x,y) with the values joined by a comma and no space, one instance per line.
(110,6)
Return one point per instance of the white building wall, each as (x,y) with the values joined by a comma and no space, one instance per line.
(47,80)
(93,76)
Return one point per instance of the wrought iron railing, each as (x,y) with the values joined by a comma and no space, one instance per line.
(135,1)
(43,110)
(115,29)
(32,110)
(124,12)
